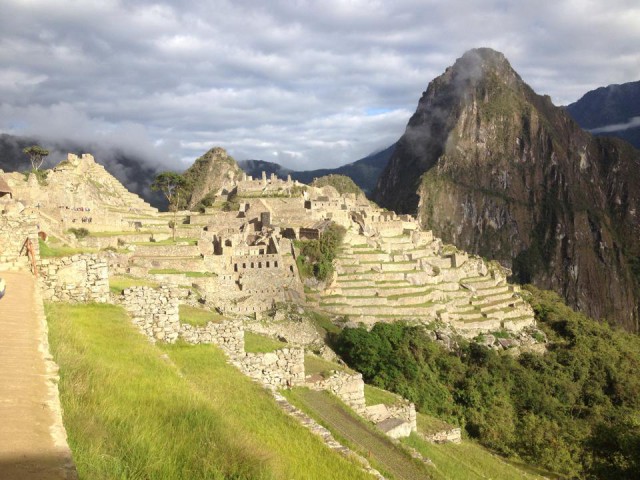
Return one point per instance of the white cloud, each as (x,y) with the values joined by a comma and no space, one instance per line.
(309,83)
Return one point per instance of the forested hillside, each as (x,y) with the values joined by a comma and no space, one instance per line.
(574,410)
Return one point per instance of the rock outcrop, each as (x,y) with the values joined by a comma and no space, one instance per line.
(498,170)
(211,175)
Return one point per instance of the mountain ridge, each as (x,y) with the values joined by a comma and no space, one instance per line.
(498,170)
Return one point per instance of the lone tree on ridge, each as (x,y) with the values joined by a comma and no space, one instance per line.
(172,185)
(37,155)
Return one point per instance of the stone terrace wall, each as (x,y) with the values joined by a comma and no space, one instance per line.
(154,311)
(282,368)
(348,387)
(15,228)
(229,336)
(79,278)
(453,435)
(381,412)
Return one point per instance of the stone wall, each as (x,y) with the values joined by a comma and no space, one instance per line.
(16,226)
(154,311)
(403,410)
(282,368)
(453,435)
(229,336)
(79,278)
(348,387)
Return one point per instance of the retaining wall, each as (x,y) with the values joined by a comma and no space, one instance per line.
(79,278)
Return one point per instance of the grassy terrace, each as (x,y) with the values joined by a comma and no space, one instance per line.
(173,271)
(374,396)
(390,459)
(122,234)
(319,366)
(256,343)
(470,461)
(53,249)
(133,410)
(118,283)
(178,241)
(198,316)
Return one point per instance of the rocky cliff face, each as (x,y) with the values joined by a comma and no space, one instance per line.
(213,173)
(498,170)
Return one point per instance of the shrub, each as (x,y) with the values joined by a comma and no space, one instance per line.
(79,232)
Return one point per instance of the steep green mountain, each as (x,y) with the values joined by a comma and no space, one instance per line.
(611,111)
(363,172)
(210,175)
(341,183)
(498,170)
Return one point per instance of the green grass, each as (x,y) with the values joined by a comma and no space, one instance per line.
(256,343)
(389,458)
(430,425)
(470,461)
(198,316)
(118,283)
(317,365)
(56,250)
(374,396)
(322,323)
(119,234)
(133,410)
(173,271)
(169,241)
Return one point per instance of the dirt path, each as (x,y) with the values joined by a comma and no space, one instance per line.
(377,445)
(32,439)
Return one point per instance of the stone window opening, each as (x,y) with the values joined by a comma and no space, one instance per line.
(267,264)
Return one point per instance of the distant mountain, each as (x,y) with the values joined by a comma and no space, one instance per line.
(132,171)
(498,170)
(363,172)
(612,111)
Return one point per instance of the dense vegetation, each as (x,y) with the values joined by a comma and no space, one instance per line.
(341,183)
(574,410)
(316,256)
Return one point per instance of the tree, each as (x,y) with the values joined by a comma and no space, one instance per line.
(37,155)
(172,185)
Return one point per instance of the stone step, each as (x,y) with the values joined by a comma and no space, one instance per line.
(501,288)
(491,299)
(467,316)
(479,282)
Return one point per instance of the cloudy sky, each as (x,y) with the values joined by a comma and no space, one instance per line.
(304,83)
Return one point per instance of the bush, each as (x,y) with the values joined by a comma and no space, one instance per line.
(79,233)
(574,410)
(316,256)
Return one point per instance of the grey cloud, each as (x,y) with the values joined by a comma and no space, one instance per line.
(288,81)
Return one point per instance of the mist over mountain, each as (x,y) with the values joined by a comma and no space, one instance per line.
(131,170)
(610,111)
(498,170)
(364,172)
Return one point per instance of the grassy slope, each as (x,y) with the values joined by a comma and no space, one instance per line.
(469,460)
(134,410)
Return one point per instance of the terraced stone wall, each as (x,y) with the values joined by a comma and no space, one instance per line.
(282,368)
(349,387)
(79,278)
(154,311)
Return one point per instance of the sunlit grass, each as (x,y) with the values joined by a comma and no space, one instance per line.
(256,343)
(198,316)
(133,410)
